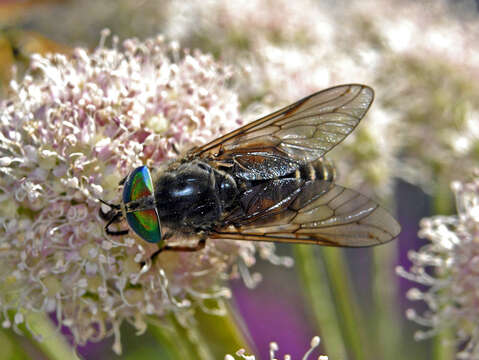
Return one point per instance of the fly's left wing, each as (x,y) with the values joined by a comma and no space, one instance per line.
(301,132)
(313,211)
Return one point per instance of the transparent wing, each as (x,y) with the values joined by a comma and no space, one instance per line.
(316,212)
(303,131)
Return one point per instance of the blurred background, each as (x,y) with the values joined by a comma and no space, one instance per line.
(422,59)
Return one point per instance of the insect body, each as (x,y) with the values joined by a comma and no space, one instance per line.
(266,181)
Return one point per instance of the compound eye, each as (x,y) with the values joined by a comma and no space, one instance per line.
(144,223)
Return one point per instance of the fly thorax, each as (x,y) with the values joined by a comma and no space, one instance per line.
(187,197)
(226,187)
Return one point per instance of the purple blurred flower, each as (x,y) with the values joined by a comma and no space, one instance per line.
(69,132)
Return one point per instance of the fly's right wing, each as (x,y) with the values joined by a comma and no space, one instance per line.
(313,211)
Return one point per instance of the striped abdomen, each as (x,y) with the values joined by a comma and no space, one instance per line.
(317,170)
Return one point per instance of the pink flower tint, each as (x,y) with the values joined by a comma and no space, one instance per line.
(69,132)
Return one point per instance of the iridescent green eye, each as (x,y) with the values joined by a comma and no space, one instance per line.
(145,223)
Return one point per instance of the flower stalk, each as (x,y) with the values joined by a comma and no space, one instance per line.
(347,307)
(385,297)
(319,295)
(47,338)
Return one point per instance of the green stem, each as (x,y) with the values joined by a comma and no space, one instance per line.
(443,346)
(204,337)
(12,349)
(346,304)
(443,204)
(53,344)
(314,280)
(385,303)
(175,340)
(224,334)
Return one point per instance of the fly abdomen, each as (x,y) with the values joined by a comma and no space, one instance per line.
(317,170)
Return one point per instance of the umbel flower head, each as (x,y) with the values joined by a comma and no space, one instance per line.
(449,266)
(69,132)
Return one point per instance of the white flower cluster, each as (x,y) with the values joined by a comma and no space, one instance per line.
(273,348)
(69,132)
(448,265)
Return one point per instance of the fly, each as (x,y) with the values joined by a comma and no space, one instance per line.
(266,181)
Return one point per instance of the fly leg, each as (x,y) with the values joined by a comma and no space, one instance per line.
(174,147)
(114,219)
(113,216)
(201,245)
